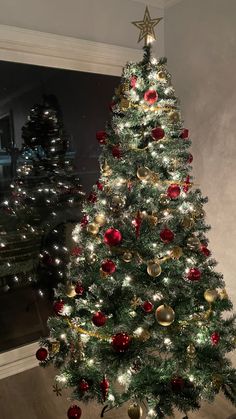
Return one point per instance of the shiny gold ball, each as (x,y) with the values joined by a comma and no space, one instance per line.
(161,75)
(100,219)
(176,252)
(191,351)
(210,295)
(143,173)
(188,222)
(93,228)
(70,290)
(193,242)
(153,268)
(127,257)
(91,258)
(144,335)
(174,116)
(165,315)
(135,411)
(117,203)
(164,200)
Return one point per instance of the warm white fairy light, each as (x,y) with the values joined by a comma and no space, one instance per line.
(166,280)
(63,336)
(138,331)
(151,413)
(157,297)
(57,261)
(167,341)
(91,361)
(62,378)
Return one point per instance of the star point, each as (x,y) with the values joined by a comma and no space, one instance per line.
(146,27)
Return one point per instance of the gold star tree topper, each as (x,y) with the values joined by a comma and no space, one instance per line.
(146,27)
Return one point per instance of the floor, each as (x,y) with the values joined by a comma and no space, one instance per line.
(29,395)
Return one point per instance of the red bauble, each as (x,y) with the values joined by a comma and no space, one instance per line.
(184,134)
(205,250)
(158,133)
(177,384)
(79,289)
(58,307)
(133,81)
(187,184)
(84,221)
(99,319)
(167,235)
(112,237)
(137,222)
(108,266)
(74,412)
(104,386)
(83,386)
(150,96)
(101,137)
(190,158)
(116,151)
(92,197)
(194,274)
(173,191)
(41,354)
(76,251)
(121,342)
(215,338)
(99,185)
(147,306)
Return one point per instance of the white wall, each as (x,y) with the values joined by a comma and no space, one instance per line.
(200,41)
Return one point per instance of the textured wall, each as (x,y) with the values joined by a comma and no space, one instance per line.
(200,41)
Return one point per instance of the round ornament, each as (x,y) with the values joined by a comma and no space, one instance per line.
(188,222)
(112,237)
(194,274)
(157,133)
(70,290)
(108,266)
(167,235)
(204,250)
(91,258)
(58,307)
(100,219)
(161,75)
(143,173)
(135,411)
(184,134)
(116,151)
(127,257)
(117,203)
(74,412)
(177,384)
(151,96)
(41,354)
(174,116)
(215,338)
(93,228)
(210,295)
(79,289)
(193,242)
(99,319)
(164,200)
(176,253)
(101,137)
(99,185)
(153,268)
(173,191)
(165,315)
(121,342)
(83,386)
(147,306)
(92,197)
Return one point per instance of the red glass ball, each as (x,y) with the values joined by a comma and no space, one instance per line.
(167,235)
(194,274)
(108,266)
(150,96)
(147,306)
(99,319)
(215,338)
(92,197)
(205,250)
(101,137)
(116,151)
(177,384)
(99,185)
(190,158)
(41,354)
(84,221)
(83,386)
(133,81)
(58,307)
(158,133)
(121,342)
(112,237)
(74,412)
(79,289)
(173,191)
(184,134)
(76,251)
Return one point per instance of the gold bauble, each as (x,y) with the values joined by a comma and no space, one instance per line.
(93,228)
(106,170)
(153,268)
(164,200)
(165,315)
(92,258)
(54,347)
(174,116)
(176,252)
(70,290)
(210,295)
(143,173)
(135,411)
(223,294)
(161,75)
(127,257)
(191,351)
(188,222)
(117,203)
(100,219)
(144,335)
(193,242)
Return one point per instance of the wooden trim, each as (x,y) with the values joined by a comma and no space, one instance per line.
(18,360)
(49,50)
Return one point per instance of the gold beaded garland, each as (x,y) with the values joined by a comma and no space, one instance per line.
(165,315)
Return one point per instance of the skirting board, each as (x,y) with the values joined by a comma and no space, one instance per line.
(18,360)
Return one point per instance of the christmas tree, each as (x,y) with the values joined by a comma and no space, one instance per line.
(145,307)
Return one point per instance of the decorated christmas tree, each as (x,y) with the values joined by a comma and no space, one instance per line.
(142,317)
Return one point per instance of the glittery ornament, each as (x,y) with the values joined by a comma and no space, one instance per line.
(164,200)
(188,222)
(84,221)
(165,315)
(151,96)
(204,250)
(92,197)
(144,335)
(83,386)
(173,191)
(191,351)
(174,116)
(121,342)
(99,185)
(76,251)
(117,203)
(137,222)
(79,289)
(167,235)
(194,274)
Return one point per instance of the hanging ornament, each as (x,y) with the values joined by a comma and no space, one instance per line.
(161,75)
(143,173)
(187,184)
(193,242)
(100,219)
(76,251)
(204,250)
(104,386)
(223,294)
(173,191)
(58,307)
(154,268)
(106,170)
(157,133)
(79,289)
(184,134)
(92,197)
(101,137)
(124,104)
(70,290)
(135,411)
(83,386)
(121,342)
(133,81)
(167,235)
(215,338)
(41,354)
(147,306)
(164,200)
(152,219)
(165,315)
(93,228)
(188,222)
(116,151)
(127,256)
(84,221)
(210,295)
(177,384)
(112,237)
(151,96)
(194,274)
(137,222)
(54,347)
(174,116)
(99,319)
(99,185)
(191,351)
(108,266)
(117,203)
(74,412)
(135,302)
(176,252)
